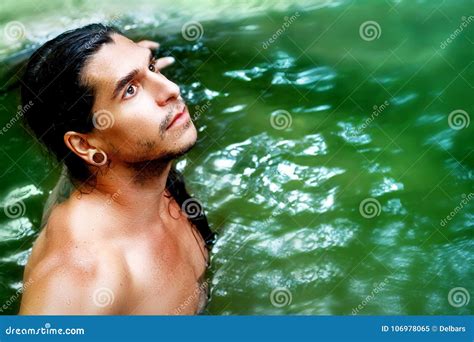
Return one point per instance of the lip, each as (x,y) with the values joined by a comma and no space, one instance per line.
(180,118)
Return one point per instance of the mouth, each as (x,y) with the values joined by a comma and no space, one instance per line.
(180,118)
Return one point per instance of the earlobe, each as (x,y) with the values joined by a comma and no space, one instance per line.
(99,158)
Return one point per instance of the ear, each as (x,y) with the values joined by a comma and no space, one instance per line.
(80,145)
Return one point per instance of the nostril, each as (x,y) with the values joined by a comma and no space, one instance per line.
(168,94)
(169,100)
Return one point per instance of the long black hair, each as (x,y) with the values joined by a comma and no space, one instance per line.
(63,102)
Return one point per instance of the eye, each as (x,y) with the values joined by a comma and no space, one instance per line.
(131,90)
(152,66)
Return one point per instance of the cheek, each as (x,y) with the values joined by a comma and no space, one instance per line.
(130,133)
(141,118)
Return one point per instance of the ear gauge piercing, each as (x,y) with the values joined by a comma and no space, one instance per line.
(99,158)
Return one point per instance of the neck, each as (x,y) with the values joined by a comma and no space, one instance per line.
(138,188)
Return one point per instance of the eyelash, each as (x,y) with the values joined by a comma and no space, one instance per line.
(153,62)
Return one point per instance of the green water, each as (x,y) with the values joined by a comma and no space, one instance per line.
(293,237)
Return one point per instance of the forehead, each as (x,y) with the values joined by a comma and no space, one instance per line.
(112,61)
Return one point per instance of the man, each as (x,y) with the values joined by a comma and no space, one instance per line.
(124,241)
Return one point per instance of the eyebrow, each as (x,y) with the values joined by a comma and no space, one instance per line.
(122,82)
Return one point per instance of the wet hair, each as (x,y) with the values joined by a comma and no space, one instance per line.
(63,102)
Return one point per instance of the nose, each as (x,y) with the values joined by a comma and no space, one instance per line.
(165,91)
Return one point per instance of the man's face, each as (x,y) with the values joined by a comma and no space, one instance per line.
(137,108)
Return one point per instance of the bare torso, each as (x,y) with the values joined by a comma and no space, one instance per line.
(90,258)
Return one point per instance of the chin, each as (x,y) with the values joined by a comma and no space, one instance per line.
(187,134)
(171,146)
(186,140)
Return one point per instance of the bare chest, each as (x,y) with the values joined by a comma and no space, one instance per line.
(168,271)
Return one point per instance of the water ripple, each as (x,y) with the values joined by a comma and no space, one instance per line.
(322,76)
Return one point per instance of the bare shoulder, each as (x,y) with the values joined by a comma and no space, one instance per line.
(83,281)
(71,272)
